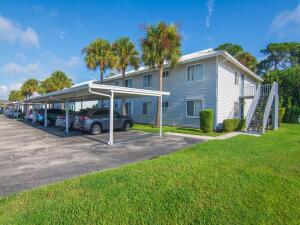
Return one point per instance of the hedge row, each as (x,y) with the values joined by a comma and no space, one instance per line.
(234,124)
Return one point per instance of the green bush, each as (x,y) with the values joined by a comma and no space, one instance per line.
(234,124)
(292,114)
(206,120)
(281,114)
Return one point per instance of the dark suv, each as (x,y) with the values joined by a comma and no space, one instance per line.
(51,115)
(97,120)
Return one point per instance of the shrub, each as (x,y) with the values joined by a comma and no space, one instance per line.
(292,114)
(206,120)
(281,114)
(234,124)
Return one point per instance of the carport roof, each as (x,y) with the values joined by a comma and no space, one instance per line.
(93,91)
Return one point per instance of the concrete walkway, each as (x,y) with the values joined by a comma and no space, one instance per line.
(207,138)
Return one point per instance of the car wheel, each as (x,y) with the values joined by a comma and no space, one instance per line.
(71,126)
(127,126)
(96,129)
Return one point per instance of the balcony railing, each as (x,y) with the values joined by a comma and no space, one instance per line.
(248,91)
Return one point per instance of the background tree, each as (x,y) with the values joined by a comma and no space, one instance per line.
(279,56)
(98,54)
(237,51)
(125,55)
(57,81)
(15,96)
(29,87)
(232,49)
(161,44)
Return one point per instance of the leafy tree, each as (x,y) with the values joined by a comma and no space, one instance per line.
(98,54)
(161,44)
(125,55)
(280,56)
(232,49)
(29,87)
(247,60)
(15,96)
(289,90)
(237,51)
(57,81)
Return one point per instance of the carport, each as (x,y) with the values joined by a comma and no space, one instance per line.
(95,91)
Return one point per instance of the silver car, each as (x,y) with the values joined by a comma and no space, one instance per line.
(96,121)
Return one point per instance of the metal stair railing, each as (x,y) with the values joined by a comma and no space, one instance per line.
(253,106)
(269,105)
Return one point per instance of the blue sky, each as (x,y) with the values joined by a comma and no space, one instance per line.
(38,37)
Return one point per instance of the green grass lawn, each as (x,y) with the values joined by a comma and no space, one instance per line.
(153,129)
(242,180)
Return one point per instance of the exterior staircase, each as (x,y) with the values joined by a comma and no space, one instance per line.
(264,106)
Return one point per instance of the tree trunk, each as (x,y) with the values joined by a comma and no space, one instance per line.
(123,99)
(160,85)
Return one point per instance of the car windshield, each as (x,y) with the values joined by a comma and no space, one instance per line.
(82,112)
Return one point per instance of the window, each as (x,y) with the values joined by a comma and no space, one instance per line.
(102,112)
(129,108)
(236,78)
(193,107)
(147,108)
(147,80)
(165,104)
(236,109)
(117,83)
(195,72)
(165,73)
(128,83)
(116,105)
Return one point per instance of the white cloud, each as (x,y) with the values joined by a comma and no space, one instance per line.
(210,9)
(73,61)
(4,90)
(61,34)
(12,32)
(15,69)
(286,22)
(21,56)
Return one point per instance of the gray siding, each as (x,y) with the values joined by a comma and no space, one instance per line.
(180,90)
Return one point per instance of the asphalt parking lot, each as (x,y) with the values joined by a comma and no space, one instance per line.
(32,155)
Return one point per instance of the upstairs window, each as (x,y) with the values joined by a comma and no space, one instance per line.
(117,83)
(165,74)
(128,83)
(147,81)
(236,78)
(195,72)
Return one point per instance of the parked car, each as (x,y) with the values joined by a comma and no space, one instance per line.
(17,114)
(9,112)
(51,115)
(61,120)
(96,121)
(29,115)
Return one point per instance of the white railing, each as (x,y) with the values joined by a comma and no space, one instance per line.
(253,105)
(266,89)
(273,89)
(249,91)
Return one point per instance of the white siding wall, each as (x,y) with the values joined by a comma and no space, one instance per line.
(228,92)
(180,90)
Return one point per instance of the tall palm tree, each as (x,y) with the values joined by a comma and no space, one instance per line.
(98,54)
(125,55)
(161,44)
(29,87)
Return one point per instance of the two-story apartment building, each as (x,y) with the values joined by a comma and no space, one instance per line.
(202,80)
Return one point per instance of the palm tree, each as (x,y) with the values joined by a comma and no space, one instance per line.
(29,87)
(161,44)
(98,54)
(125,55)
